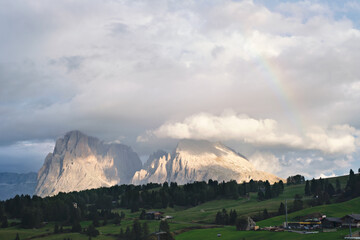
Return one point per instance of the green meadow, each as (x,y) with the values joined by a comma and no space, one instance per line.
(198,222)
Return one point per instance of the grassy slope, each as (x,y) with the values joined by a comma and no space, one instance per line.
(229,233)
(205,213)
(331,210)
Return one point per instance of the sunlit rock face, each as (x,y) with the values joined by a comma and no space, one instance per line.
(198,160)
(81,162)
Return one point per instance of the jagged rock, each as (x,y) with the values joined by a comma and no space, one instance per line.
(199,160)
(81,162)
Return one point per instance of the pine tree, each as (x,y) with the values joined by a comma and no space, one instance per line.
(281,210)
(4,223)
(145,231)
(76,227)
(314,187)
(56,228)
(330,190)
(338,186)
(164,226)
(281,184)
(233,216)
(307,188)
(265,214)
(136,230)
(225,217)
(268,192)
(121,235)
(142,214)
(261,195)
(92,231)
(17,236)
(298,203)
(218,218)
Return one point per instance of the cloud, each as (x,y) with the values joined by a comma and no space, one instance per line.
(268,162)
(24,156)
(263,132)
(119,68)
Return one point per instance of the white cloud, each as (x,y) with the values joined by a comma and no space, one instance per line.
(263,132)
(118,68)
(267,162)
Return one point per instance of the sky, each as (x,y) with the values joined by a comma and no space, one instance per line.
(278,81)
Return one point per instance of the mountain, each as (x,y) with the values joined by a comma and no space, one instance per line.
(81,162)
(199,160)
(12,184)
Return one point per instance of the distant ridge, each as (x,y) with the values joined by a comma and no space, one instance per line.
(199,160)
(12,184)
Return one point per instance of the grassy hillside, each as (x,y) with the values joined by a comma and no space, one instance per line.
(206,212)
(229,233)
(204,215)
(331,210)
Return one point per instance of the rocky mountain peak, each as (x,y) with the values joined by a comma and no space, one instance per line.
(200,160)
(81,162)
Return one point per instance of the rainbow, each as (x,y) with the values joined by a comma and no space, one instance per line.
(277,82)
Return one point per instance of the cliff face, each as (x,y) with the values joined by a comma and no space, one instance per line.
(81,162)
(195,160)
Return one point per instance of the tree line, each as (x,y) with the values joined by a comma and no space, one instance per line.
(96,204)
(324,191)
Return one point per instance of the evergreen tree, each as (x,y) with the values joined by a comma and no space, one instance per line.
(4,223)
(233,216)
(142,214)
(136,230)
(298,203)
(127,234)
(17,236)
(117,220)
(225,217)
(145,231)
(105,222)
(261,195)
(314,187)
(92,231)
(307,188)
(121,235)
(76,227)
(281,184)
(265,214)
(338,186)
(330,190)
(96,222)
(281,210)
(218,218)
(56,228)
(268,193)
(164,226)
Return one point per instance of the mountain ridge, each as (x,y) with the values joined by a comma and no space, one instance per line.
(200,160)
(80,162)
